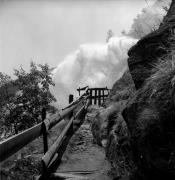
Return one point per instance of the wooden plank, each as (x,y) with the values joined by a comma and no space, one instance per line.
(102,88)
(79,99)
(95,97)
(82,89)
(78,91)
(103,95)
(99,97)
(68,176)
(16,142)
(46,159)
(90,92)
(98,89)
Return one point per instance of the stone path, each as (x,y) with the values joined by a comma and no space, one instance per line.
(83,158)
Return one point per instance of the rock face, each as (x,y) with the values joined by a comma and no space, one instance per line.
(150,113)
(100,125)
(121,90)
(110,130)
(142,141)
(144,55)
(150,117)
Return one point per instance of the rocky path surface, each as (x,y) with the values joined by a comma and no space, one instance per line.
(84,158)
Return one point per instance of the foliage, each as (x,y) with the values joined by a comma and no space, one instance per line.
(24,109)
(5,83)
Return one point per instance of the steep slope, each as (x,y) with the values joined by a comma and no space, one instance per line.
(144,55)
(110,130)
(142,144)
(150,113)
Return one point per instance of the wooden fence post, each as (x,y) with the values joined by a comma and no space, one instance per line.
(95,98)
(99,97)
(90,96)
(103,95)
(44,131)
(79,91)
(71,98)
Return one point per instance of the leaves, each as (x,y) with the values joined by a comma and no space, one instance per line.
(23,110)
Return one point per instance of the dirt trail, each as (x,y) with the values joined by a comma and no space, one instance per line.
(84,158)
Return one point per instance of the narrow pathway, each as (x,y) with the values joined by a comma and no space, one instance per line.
(83,158)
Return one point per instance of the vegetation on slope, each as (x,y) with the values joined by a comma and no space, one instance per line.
(24,97)
(110,130)
(147,130)
(21,104)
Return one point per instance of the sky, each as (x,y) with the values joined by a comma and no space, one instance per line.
(46,31)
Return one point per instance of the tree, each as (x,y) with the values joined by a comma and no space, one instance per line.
(24,109)
(5,84)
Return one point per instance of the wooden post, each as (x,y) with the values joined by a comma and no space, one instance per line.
(107,90)
(90,96)
(95,98)
(103,91)
(79,91)
(99,97)
(44,131)
(71,98)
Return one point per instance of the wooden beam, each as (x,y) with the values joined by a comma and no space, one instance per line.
(13,144)
(16,142)
(99,97)
(47,158)
(103,95)
(67,176)
(95,97)
(90,97)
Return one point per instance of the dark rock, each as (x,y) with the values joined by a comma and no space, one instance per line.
(150,117)
(100,125)
(145,54)
(118,149)
(110,130)
(121,90)
(150,113)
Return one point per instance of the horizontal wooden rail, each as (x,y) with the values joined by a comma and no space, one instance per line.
(99,96)
(79,99)
(16,142)
(102,88)
(47,158)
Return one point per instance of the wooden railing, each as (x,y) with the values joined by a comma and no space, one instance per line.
(96,95)
(53,154)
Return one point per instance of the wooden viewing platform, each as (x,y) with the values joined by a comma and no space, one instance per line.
(96,95)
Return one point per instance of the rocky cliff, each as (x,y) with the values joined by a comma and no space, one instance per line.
(140,128)
(145,54)
(150,113)
(110,130)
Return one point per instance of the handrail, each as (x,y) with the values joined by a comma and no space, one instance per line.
(11,145)
(46,159)
(79,99)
